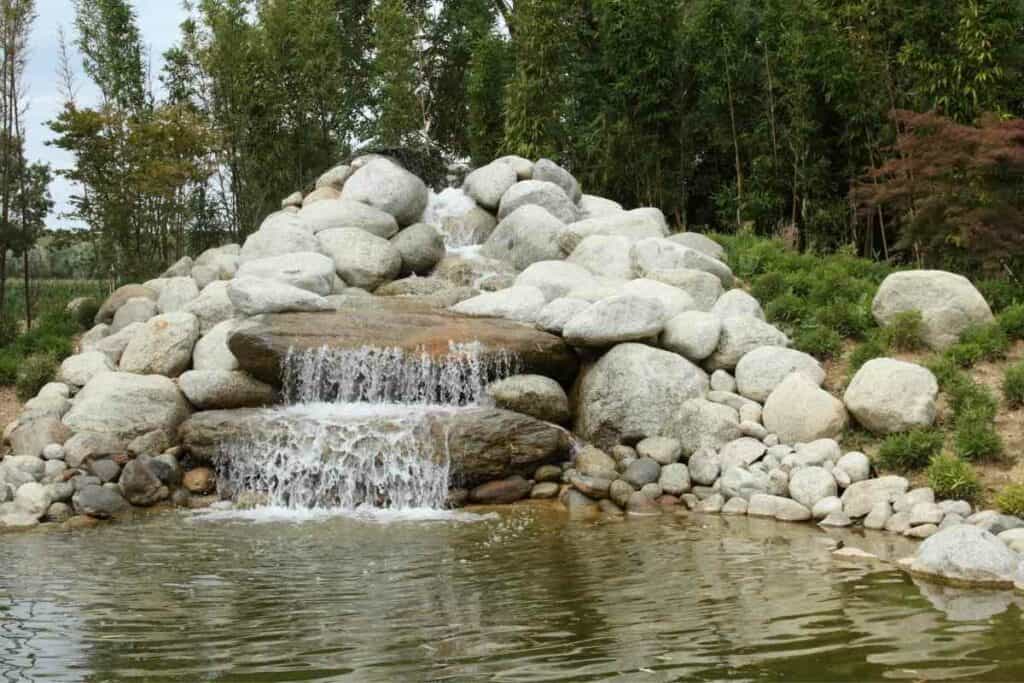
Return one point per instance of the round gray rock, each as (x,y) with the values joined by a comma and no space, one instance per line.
(764,368)
(888,396)
(534,395)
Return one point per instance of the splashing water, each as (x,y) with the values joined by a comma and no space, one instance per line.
(391,375)
(446,211)
(357,436)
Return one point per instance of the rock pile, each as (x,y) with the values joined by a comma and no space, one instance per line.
(676,388)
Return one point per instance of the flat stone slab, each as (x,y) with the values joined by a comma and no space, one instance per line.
(482,444)
(387,322)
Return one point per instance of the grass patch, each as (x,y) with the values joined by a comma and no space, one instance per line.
(1013,386)
(1011,500)
(1012,321)
(905,332)
(35,372)
(911,450)
(818,341)
(952,478)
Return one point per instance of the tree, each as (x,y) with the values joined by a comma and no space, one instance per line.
(108,37)
(489,73)
(401,108)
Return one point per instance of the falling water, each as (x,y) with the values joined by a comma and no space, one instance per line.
(357,434)
(446,210)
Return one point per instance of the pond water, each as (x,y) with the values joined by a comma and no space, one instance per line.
(521,595)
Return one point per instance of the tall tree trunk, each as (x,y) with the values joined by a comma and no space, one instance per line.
(28,291)
(736,149)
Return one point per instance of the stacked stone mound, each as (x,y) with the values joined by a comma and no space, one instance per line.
(686,395)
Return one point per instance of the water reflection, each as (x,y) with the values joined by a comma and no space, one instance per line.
(525,596)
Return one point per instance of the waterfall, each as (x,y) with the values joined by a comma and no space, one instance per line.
(356,433)
(446,211)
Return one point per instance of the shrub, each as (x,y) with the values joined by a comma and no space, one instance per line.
(1001,293)
(910,450)
(35,371)
(818,341)
(976,438)
(787,308)
(9,364)
(946,372)
(846,318)
(872,347)
(969,397)
(85,313)
(990,338)
(768,286)
(1011,321)
(952,478)
(1011,500)
(1013,386)
(965,355)
(905,332)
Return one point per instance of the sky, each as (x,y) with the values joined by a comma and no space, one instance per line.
(158,23)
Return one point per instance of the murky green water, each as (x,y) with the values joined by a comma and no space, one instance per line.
(525,596)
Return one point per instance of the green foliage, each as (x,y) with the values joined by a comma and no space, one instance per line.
(952,478)
(818,341)
(401,114)
(905,332)
(911,450)
(1010,500)
(85,313)
(976,438)
(965,355)
(871,348)
(1013,385)
(990,339)
(34,373)
(1012,321)
(489,73)
(1001,293)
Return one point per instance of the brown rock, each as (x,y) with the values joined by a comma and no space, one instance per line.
(118,299)
(201,480)
(501,492)
(390,322)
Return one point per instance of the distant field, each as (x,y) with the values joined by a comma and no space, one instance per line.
(49,295)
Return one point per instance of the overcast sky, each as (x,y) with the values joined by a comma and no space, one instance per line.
(158,21)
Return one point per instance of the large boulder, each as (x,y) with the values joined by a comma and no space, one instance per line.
(740,335)
(281,233)
(605,256)
(737,302)
(888,396)
(255,296)
(77,370)
(592,206)
(616,320)
(482,444)
(633,225)
(421,247)
(545,169)
(113,345)
(361,259)
(487,184)
(704,288)
(137,310)
(176,294)
(654,254)
(527,235)
(213,306)
(702,243)
(799,411)
(387,186)
(334,177)
(522,166)
(556,279)
(140,484)
(547,195)
(534,395)
(965,554)
(948,303)
(211,351)
(163,346)
(763,369)
(673,299)
(701,424)
(692,334)
(339,213)
(120,296)
(859,498)
(215,389)
(260,347)
(126,405)
(98,501)
(809,485)
(556,315)
(633,392)
(521,304)
(311,271)
(33,434)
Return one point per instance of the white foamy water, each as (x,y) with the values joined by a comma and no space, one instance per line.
(272,514)
(390,375)
(445,210)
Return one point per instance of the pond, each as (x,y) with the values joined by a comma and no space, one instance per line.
(520,595)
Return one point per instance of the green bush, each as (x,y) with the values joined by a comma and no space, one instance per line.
(872,347)
(847,318)
(991,339)
(946,372)
(905,332)
(968,397)
(34,373)
(85,313)
(768,286)
(818,341)
(9,364)
(1011,321)
(976,438)
(1013,385)
(965,355)
(952,478)
(1001,293)
(911,450)
(787,308)
(1011,500)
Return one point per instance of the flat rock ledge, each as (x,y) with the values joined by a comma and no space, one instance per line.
(261,345)
(483,444)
